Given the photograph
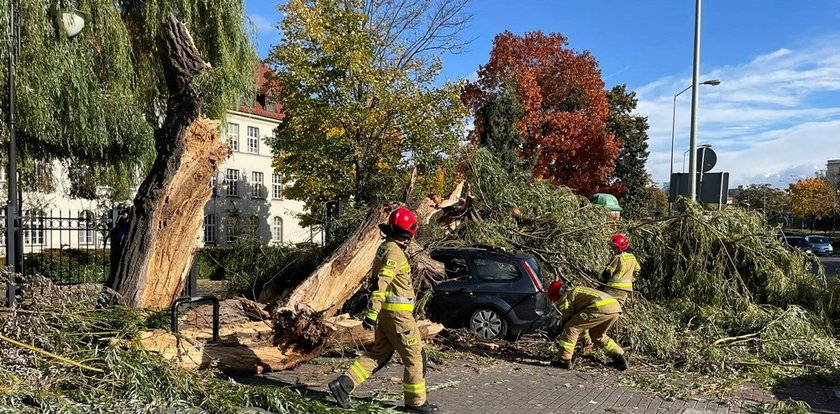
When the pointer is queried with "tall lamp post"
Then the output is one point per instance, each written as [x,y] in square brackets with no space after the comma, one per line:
[712,82]
[692,157]
[71,23]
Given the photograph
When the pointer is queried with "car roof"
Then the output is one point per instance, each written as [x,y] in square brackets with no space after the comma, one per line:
[794,237]
[477,251]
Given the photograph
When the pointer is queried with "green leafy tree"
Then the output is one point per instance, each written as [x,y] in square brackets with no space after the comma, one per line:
[763,197]
[92,101]
[630,180]
[359,91]
[498,131]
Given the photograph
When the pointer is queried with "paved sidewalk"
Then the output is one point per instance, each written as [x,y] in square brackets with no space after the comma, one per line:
[463,386]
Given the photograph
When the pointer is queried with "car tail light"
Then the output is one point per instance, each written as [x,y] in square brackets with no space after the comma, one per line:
[534,279]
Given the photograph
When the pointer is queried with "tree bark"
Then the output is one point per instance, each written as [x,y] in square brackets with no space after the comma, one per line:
[159,246]
[302,327]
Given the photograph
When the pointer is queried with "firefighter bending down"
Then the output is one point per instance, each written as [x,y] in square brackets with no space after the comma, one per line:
[582,309]
[390,314]
[618,276]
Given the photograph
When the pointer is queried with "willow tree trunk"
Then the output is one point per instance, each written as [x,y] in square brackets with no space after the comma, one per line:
[159,246]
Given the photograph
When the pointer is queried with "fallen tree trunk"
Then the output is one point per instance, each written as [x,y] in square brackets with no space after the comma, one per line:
[159,245]
[301,329]
[248,347]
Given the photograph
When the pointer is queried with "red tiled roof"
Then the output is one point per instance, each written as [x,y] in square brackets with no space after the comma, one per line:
[263,88]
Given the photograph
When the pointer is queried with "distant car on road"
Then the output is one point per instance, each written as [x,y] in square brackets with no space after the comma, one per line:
[820,244]
[491,292]
[796,242]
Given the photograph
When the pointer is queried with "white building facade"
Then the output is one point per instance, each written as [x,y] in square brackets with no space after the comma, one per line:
[247,192]
[247,196]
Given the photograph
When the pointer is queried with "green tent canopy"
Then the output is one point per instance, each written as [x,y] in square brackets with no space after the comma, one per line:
[607,200]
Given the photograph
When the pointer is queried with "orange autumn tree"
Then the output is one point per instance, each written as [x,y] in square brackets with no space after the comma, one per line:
[812,197]
[564,126]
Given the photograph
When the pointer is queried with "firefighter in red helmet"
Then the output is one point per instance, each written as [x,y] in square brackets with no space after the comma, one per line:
[390,315]
[583,309]
[622,271]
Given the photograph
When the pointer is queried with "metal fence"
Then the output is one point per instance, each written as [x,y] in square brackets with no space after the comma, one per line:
[66,246]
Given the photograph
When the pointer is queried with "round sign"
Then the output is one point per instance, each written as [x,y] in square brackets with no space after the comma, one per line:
[706,159]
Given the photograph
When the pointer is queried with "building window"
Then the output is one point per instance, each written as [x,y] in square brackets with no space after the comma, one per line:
[33,228]
[276,187]
[257,185]
[210,229]
[232,229]
[252,227]
[277,229]
[233,136]
[232,181]
[253,140]
[87,228]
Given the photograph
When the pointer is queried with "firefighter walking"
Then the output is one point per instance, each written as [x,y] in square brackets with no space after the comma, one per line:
[390,314]
[582,309]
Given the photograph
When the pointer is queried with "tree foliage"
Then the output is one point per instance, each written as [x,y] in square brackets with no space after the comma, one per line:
[765,197]
[566,108]
[92,101]
[358,80]
[630,180]
[813,197]
[497,130]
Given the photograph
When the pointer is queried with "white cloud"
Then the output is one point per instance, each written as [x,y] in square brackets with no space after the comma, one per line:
[772,119]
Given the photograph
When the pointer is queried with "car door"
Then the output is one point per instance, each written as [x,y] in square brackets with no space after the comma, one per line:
[496,281]
[455,296]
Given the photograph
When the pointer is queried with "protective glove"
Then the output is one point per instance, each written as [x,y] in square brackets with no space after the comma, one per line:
[368,323]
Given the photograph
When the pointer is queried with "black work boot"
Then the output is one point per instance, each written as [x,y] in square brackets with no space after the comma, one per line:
[425,408]
[341,388]
[562,363]
[620,362]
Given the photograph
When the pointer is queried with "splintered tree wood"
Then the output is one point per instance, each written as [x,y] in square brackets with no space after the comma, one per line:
[249,347]
[344,272]
[159,245]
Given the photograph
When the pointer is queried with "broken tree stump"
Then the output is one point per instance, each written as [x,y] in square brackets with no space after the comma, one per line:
[159,245]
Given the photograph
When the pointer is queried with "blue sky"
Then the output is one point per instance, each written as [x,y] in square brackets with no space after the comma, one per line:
[774,118]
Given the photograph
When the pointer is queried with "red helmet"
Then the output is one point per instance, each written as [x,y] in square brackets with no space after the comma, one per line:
[402,222]
[620,242]
[554,290]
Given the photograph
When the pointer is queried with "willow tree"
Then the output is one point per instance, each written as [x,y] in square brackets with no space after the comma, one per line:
[91,102]
[119,100]
[360,93]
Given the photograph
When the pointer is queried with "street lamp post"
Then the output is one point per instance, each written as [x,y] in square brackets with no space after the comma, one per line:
[12,201]
[71,22]
[692,157]
[712,82]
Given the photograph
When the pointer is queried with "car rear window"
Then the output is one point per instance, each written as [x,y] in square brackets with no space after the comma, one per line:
[495,270]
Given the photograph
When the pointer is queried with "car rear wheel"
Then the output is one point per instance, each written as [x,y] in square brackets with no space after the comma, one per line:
[488,324]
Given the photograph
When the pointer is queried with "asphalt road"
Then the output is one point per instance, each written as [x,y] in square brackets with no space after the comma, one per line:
[832,265]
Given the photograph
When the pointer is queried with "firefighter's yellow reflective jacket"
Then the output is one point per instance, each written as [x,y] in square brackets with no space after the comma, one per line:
[579,299]
[622,271]
[393,290]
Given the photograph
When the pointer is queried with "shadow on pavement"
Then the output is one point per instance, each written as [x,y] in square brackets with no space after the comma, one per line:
[822,398]
[303,389]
